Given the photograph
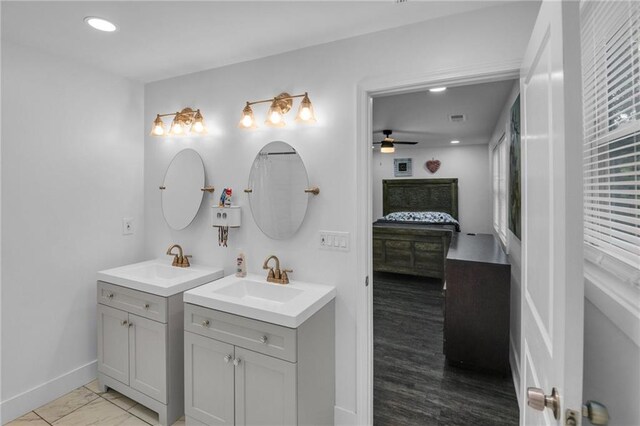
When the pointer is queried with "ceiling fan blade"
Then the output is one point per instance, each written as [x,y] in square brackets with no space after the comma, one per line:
[405,142]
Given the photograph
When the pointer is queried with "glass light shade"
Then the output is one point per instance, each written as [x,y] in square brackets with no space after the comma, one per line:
[158,127]
[198,126]
[177,127]
[275,117]
[247,121]
[305,112]
[387,148]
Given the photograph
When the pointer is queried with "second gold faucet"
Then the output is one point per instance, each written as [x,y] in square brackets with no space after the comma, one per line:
[180,260]
[275,275]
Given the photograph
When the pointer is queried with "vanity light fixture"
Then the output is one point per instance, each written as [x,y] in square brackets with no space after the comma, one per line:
[280,105]
[180,124]
[100,24]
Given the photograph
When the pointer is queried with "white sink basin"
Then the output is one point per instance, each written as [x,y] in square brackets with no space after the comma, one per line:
[288,305]
[159,277]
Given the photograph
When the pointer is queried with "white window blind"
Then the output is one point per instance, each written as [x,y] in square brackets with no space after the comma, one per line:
[610,33]
[499,166]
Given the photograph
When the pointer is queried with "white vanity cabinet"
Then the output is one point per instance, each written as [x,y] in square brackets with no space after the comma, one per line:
[241,371]
[140,343]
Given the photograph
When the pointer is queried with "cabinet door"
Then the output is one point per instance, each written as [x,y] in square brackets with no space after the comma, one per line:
[113,343]
[208,380]
[265,390]
[148,357]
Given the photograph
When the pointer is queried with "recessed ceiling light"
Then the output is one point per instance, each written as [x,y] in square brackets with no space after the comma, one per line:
[100,24]
[437,89]
[455,141]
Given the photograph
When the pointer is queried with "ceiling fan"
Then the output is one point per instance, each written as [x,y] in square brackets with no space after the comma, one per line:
[387,145]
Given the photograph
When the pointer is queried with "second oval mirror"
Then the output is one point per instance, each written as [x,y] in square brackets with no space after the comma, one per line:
[181,190]
[277,185]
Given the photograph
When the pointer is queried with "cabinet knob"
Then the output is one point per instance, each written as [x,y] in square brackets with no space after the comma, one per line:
[263,340]
[236,362]
[130,324]
[205,323]
[124,323]
[146,306]
[227,358]
[110,295]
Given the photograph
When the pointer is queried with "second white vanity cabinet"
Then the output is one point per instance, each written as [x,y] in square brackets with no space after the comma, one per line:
[241,371]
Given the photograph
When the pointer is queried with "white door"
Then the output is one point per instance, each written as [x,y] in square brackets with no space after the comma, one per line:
[553,284]
[113,343]
[208,380]
[148,357]
[265,390]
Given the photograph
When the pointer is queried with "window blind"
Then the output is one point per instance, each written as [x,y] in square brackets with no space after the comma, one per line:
[610,37]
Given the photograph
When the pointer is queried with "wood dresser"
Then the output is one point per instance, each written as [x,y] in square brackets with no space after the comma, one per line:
[477,299]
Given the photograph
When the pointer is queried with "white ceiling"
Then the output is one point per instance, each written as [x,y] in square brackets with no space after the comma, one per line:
[424,116]
[162,39]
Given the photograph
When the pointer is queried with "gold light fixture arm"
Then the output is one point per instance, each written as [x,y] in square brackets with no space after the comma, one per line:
[313,190]
[208,189]
[281,96]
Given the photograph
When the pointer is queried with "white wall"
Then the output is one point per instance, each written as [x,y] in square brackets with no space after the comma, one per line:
[72,159]
[513,247]
[469,164]
[330,73]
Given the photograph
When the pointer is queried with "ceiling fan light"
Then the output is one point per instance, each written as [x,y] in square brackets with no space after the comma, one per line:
[387,147]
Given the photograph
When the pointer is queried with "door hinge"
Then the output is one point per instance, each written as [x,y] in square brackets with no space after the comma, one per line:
[366,281]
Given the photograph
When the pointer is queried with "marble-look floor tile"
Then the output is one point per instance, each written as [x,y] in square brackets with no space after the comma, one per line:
[66,404]
[29,419]
[145,414]
[100,413]
[119,399]
[93,387]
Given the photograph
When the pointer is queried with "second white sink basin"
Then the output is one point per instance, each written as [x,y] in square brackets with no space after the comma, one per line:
[159,277]
[288,305]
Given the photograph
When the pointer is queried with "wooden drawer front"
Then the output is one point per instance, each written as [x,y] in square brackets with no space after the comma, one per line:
[137,302]
[399,253]
[240,331]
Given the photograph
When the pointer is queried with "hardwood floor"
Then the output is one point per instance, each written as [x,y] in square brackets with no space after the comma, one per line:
[412,383]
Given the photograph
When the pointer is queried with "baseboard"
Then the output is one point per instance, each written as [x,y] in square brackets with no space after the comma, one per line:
[343,417]
[515,370]
[33,398]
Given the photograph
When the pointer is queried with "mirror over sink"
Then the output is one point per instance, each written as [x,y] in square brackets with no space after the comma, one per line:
[181,190]
[279,190]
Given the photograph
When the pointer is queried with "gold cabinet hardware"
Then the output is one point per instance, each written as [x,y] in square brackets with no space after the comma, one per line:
[163,187]
[313,190]
[208,189]
[248,190]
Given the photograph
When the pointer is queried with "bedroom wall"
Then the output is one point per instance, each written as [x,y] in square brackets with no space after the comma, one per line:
[469,164]
[513,243]
[330,73]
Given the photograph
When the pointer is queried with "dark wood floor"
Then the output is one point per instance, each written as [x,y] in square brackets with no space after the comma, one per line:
[412,383]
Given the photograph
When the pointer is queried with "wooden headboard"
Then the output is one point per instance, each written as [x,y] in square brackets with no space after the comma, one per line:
[411,195]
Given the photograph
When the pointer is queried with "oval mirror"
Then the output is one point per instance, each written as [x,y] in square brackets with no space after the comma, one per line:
[277,182]
[182,189]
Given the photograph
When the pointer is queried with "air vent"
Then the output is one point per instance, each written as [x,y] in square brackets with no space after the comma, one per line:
[457,118]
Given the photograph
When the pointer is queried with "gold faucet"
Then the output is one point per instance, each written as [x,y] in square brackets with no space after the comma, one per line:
[276,275]
[180,260]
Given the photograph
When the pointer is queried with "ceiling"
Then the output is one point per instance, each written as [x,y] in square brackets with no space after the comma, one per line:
[424,116]
[161,39]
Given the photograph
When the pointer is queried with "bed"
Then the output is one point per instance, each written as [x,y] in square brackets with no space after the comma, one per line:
[415,248]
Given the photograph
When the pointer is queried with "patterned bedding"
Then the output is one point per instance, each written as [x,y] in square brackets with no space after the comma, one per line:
[417,218]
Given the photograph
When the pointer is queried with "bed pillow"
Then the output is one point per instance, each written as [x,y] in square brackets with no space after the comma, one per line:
[422,217]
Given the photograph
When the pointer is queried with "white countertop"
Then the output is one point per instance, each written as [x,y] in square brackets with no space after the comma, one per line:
[159,277]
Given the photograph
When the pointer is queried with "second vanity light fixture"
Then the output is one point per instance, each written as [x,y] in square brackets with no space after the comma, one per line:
[180,124]
[280,105]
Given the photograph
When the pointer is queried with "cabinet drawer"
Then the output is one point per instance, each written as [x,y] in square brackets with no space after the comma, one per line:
[137,302]
[259,336]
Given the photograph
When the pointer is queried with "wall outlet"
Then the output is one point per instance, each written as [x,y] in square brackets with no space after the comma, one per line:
[334,240]
[127,226]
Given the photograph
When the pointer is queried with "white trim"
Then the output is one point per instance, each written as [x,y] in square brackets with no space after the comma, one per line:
[366,90]
[343,417]
[619,301]
[514,358]
[37,396]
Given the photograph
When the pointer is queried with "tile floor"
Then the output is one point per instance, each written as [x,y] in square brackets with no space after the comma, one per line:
[88,406]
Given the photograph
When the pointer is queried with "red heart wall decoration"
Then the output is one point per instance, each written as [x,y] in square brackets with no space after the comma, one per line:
[433,165]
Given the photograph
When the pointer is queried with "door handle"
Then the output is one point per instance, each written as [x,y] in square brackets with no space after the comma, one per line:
[596,413]
[537,400]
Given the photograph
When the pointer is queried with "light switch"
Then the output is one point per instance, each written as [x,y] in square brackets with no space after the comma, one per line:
[334,240]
